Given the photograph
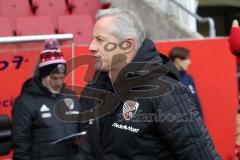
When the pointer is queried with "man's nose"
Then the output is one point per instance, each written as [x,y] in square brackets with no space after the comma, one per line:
[93,47]
[59,82]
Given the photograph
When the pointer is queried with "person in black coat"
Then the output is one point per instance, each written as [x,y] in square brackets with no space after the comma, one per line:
[35,126]
[180,56]
[137,108]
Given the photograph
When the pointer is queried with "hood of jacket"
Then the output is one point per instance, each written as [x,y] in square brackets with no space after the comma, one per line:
[34,86]
[148,53]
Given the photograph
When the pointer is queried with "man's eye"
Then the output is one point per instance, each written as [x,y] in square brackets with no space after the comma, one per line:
[100,40]
[53,78]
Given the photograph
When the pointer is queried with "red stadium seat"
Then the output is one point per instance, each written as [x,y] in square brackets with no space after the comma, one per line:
[79,25]
[52,8]
[13,8]
[6,29]
[34,26]
[84,7]
[106,5]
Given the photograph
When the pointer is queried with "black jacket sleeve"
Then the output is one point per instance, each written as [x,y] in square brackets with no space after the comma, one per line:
[182,129]
[21,131]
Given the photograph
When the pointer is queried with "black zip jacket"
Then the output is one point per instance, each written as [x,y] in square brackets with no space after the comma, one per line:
[35,125]
[165,125]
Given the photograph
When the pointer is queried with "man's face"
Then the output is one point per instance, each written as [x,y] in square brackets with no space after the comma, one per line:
[184,63]
[104,44]
[54,82]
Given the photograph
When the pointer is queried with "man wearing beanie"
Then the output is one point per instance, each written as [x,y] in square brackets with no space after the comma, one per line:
[35,126]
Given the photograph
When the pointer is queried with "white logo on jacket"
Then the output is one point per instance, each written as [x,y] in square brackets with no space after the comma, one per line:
[44,108]
[45,112]
[46,115]
[125,127]
[191,89]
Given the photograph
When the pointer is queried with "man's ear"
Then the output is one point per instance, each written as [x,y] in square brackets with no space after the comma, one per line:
[128,45]
[177,60]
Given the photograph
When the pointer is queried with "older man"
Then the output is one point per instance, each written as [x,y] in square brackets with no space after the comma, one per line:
[154,117]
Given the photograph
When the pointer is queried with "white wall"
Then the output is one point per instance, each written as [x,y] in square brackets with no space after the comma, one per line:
[159,25]
[184,18]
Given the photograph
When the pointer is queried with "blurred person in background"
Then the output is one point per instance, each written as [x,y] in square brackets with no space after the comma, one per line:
[180,56]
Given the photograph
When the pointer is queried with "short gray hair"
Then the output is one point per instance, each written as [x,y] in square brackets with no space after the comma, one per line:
[126,24]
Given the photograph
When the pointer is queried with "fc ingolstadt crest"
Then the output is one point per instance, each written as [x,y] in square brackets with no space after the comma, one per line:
[129,109]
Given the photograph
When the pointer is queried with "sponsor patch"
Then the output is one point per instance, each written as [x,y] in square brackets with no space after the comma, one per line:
[129,109]
[69,103]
